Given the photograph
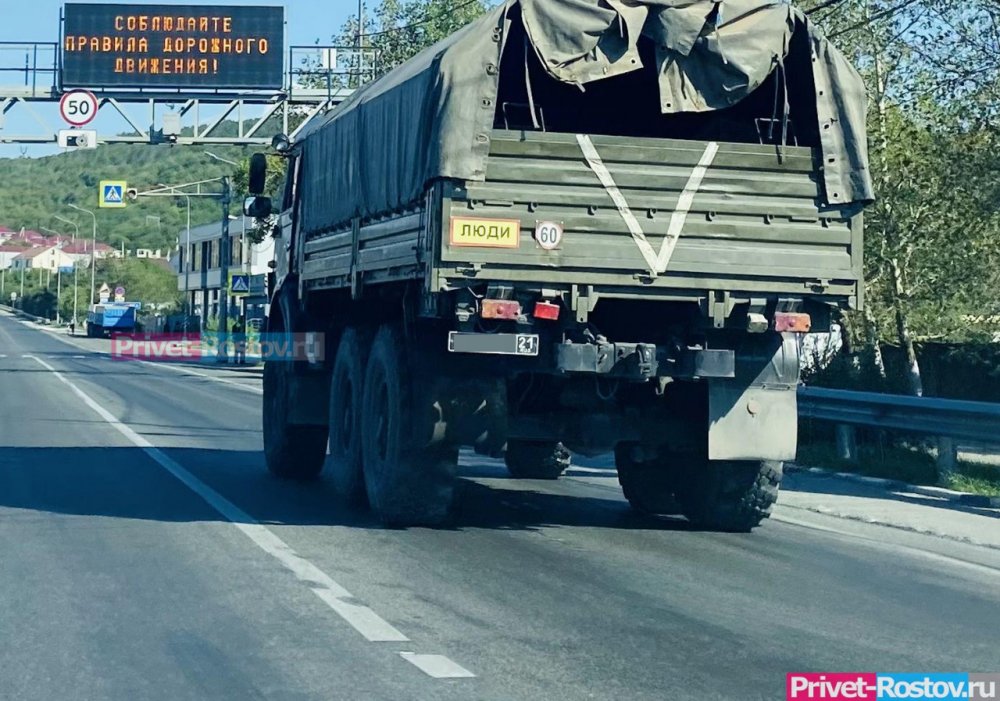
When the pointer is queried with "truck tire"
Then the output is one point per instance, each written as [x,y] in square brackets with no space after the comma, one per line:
[730,495]
[409,471]
[544,460]
[291,451]
[648,485]
[346,395]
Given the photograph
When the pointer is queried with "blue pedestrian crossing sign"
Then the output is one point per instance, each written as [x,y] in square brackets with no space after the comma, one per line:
[112,194]
[239,284]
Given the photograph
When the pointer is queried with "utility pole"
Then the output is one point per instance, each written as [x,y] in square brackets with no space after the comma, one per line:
[224,255]
[75,266]
[93,252]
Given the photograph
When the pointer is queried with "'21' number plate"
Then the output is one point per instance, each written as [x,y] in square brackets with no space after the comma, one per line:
[527,344]
[493,343]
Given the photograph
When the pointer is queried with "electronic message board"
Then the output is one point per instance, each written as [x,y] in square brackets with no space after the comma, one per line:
[172,46]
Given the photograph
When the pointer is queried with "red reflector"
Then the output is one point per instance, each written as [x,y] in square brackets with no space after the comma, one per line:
[546,310]
[501,309]
[791,321]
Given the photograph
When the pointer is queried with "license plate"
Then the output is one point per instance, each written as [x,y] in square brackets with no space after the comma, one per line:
[487,233]
[493,343]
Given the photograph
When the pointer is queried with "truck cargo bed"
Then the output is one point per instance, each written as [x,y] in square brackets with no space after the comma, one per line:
[755,223]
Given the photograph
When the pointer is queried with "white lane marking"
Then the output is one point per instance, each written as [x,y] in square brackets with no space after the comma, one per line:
[926,554]
[80,357]
[594,470]
[3,355]
[361,618]
[657,262]
[186,371]
[437,666]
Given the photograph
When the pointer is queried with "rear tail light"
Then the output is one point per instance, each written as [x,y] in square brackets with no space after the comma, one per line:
[795,322]
[501,309]
[546,310]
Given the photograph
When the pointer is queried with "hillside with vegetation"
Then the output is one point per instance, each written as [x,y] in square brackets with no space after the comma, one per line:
[34,190]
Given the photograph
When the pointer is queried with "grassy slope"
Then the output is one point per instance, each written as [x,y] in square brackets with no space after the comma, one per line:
[32,190]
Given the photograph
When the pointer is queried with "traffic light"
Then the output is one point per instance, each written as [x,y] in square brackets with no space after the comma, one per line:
[132,194]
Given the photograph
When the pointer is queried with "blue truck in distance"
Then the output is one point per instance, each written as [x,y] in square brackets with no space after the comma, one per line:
[109,317]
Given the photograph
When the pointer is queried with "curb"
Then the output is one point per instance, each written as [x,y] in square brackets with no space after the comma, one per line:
[964,498]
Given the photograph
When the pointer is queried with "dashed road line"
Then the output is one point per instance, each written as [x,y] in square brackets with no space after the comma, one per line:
[362,618]
[437,666]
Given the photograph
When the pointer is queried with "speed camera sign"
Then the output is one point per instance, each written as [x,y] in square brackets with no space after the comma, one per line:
[78,107]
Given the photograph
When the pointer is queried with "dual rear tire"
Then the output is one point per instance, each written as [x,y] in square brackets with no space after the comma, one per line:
[409,466]
[384,435]
[726,495]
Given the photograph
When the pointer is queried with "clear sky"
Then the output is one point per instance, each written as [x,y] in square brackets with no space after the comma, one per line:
[38,21]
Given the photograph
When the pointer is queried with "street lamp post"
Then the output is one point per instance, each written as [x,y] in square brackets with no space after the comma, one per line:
[185,257]
[93,252]
[75,266]
[58,277]
[224,256]
[224,259]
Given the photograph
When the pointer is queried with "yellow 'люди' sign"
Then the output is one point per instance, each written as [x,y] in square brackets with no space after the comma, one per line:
[490,233]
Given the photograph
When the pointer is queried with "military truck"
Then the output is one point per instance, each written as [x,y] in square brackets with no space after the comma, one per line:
[569,227]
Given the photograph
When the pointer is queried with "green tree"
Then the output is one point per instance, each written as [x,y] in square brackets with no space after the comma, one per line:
[273,187]
[930,252]
[394,32]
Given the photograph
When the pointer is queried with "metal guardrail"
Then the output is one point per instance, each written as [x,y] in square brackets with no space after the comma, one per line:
[953,418]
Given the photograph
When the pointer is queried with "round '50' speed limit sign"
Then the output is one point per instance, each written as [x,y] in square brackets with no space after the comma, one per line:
[78,107]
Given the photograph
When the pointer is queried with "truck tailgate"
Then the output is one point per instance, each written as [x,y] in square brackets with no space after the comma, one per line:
[755,221]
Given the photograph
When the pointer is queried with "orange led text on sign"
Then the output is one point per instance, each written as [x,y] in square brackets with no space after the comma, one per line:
[198,52]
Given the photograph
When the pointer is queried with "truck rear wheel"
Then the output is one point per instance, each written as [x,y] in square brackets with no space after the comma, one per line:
[730,495]
[409,470]
[291,451]
[545,460]
[648,485]
[346,395]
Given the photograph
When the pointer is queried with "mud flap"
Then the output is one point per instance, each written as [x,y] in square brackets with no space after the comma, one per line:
[754,416]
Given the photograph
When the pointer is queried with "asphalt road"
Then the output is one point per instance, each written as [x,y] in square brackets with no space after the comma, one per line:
[145,553]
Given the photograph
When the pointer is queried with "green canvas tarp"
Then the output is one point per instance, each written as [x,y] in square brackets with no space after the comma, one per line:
[431,117]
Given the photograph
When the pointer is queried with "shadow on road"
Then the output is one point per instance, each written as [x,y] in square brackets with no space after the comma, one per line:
[122,482]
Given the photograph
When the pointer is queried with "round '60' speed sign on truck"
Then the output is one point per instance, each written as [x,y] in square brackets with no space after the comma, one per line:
[78,107]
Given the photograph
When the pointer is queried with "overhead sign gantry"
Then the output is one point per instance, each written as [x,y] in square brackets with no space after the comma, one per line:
[171,61]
